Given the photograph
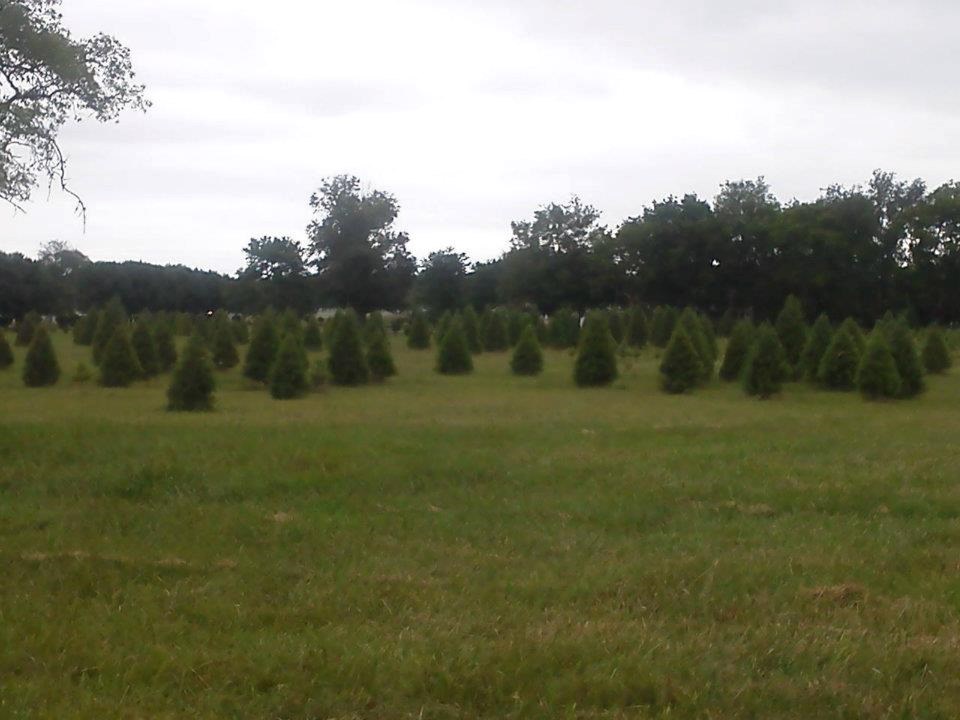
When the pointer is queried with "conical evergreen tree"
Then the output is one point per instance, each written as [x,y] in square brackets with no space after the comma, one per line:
[905,355]
[290,323]
[453,353]
[738,350]
[527,355]
[119,365]
[225,355]
[681,368]
[264,344]
[443,323]
[637,331]
[596,362]
[241,330]
[856,334]
[85,328]
[288,376]
[494,329]
[312,334]
[26,328]
[373,326]
[471,328]
[936,354]
[347,362]
[40,366]
[329,327]
[6,352]
[515,321]
[818,340]
[183,324]
[145,346]
[109,319]
[877,376]
[563,330]
[692,324]
[418,332]
[767,367]
[728,321]
[379,357]
[711,337]
[615,321]
[192,385]
[662,325]
[838,366]
[886,323]
[792,331]
[166,346]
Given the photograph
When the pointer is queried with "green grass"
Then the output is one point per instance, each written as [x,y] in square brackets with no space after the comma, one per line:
[482,546]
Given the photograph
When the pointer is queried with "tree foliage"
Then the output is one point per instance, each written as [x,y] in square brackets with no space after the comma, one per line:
[40,366]
[877,375]
[936,355]
[767,366]
[288,376]
[596,361]
[119,366]
[347,362]
[453,352]
[192,384]
[527,356]
[681,368]
[738,350]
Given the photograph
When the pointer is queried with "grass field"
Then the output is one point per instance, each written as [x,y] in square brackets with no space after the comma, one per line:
[478,547]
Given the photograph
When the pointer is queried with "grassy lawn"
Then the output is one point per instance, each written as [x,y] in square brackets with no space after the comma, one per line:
[482,546]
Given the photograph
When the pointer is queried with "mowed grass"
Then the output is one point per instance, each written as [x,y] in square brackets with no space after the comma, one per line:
[478,547]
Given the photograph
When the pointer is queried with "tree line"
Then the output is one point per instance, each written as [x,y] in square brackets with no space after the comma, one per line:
[857,251]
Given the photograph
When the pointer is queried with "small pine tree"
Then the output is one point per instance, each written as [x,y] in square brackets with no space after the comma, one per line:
[563,330]
[596,362]
[766,368]
[329,327]
[907,359]
[26,328]
[471,328]
[818,340]
[84,329]
[109,319]
[379,357]
[166,346]
[418,332]
[119,365]
[886,323]
[662,325]
[515,321]
[792,331]
[693,325]
[290,323]
[856,334]
[145,346]
[241,330]
[264,344]
[738,350]
[6,352]
[40,366]
[838,366]
[318,374]
[192,385]
[225,354]
[637,329]
[711,337]
[82,375]
[312,334]
[527,356]
[443,323]
[615,321]
[936,354]
[494,329]
[728,321]
[288,376]
[877,376]
[373,326]
[347,362]
[681,368]
[453,353]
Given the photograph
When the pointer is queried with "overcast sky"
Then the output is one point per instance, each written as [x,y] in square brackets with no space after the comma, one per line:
[475,113]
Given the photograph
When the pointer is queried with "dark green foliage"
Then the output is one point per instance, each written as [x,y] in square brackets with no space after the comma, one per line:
[856,334]
[936,354]
[183,325]
[418,332]
[40,367]
[313,334]
[453,353]
[818,340]
[443,322]
[886,323]
[329,327]
[681,368]
[264,344]
[662,324]
[727,323]
[288,376]
[373,326]
[693,324]
[224,349]
[596,362]
[166,347]
[471,328]
[82,375]
[84,329]
[290,324]
[738,350]
[877,376]
[145,346]
[711,337]
[26,328]
[119,365]
[318,374]
[241,330]
[792,331]
[192,385]
[838,366]
[563,330]
[109,319]
[615,321]
[6,352]
[516,321]
[638,331]
[347,362]
[527,356]
[379,357]
[907,359]
[766,368]
[494,331]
